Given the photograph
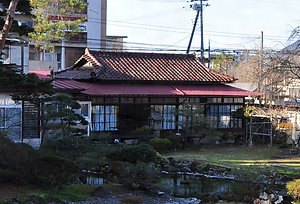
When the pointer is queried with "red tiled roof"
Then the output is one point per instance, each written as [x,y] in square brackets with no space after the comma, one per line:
[41,74]
[67,84]
[130,66]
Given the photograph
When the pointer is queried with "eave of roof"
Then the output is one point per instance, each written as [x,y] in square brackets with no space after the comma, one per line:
[94,89]
[140,90]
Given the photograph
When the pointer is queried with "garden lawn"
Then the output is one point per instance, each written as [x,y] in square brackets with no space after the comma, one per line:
[244,161]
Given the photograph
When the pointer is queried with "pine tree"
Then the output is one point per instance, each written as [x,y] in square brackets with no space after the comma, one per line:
[55,19]
[8,22]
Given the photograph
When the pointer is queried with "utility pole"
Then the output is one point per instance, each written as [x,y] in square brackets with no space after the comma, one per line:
[201,28]
[199,8]
[261,54]
[208,64]
[192,35]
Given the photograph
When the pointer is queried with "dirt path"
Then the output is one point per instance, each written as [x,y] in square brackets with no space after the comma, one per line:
[14,191]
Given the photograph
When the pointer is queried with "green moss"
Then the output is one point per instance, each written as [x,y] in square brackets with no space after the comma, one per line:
[219,165]
[74,192]
[169,168]
[160,158]
[65,193]
[288,173]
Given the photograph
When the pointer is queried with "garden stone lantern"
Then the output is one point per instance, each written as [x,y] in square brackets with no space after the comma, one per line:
[156,123]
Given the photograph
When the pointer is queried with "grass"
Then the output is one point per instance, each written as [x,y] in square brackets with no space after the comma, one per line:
[243,161]
[74,192]
[68,192]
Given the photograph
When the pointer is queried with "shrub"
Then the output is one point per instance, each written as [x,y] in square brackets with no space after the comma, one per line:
[68,147]
[133,175]
[284,146]
[55,171]
[294,189]
[133,153]
[23,165]
[160,144]
[18,162]
[143,133]
[105,138]
[141,172]
[118,167]
[176,141]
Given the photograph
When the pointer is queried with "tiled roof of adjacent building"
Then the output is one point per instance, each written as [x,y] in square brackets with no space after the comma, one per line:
[147,67]
[42,74]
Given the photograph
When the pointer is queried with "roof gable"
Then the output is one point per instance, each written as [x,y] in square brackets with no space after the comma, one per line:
[131,66]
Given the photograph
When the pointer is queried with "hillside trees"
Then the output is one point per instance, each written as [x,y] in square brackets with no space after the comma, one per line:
[263,73]
[283,68]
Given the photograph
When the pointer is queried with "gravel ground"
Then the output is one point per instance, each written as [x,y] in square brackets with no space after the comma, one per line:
[164,199]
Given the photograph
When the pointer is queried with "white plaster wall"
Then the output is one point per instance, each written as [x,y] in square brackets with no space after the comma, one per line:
[96,25]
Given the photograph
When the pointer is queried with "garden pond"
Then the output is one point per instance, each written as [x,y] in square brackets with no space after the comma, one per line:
[203,188]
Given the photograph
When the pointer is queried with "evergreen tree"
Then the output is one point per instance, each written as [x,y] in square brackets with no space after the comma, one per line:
[27,87]
[224,62]
[59,115]
[8,22]
[55,19]
[193,122]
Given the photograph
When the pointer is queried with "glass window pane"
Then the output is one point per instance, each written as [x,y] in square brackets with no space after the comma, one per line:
[141,100]
[127,100]
[105,118]
[228,100]
[169,117]
[13,122]
[2,117]
[170,100]
[194,100]
[238,100]
[112,100]
[85,110]
[157,100]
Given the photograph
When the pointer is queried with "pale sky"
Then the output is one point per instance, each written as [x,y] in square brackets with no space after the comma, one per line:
[228,24]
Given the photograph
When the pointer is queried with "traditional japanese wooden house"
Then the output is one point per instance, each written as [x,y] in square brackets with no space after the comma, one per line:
[122,91]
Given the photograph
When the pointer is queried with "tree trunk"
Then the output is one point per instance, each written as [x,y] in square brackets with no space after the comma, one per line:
[8,22]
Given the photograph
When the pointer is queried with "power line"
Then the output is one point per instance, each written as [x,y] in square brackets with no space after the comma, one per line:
[185,30]
[277,2]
